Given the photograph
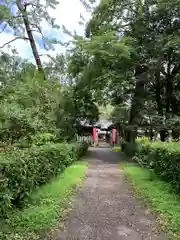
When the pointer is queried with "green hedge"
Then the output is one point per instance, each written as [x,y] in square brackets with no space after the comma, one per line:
[129,148]
[163,158]
[23,170]
[43,138]
[35,140]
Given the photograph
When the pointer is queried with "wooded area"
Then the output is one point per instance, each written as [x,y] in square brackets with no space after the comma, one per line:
[129,57]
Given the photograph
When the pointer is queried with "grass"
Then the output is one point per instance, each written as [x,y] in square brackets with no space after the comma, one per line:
[47,205]
[159,195]
[116,149]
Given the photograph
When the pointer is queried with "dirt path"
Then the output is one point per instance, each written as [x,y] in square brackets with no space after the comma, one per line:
[106,208]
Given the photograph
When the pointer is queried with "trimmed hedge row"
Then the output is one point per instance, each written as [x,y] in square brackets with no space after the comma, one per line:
[23,170]
[163,158]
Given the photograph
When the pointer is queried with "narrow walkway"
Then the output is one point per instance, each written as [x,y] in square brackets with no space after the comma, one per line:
[106,208]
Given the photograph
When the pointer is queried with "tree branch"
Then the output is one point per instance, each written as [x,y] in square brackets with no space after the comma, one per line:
[46,54]
[38,28]
[17,16]
[16,38]
[39,31]
[5,26]
[162,70]
[175,70]
[31,4]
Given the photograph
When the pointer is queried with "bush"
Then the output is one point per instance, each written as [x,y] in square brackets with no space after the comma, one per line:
[81,149]
[43,138]
[23,170]
[163,158]
[129,148]
[35,140]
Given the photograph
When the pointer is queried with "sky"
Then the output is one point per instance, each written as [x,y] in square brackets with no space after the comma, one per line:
[66,13]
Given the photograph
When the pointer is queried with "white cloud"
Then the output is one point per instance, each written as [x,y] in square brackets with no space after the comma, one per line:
[66,13]
[22,46]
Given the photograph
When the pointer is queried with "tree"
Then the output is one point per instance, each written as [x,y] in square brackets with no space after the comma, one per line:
[130,54]
[28,17]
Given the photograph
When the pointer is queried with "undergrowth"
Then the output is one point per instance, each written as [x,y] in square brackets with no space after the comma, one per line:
[116,149]
[47,205]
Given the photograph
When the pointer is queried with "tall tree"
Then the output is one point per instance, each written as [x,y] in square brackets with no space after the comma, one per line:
[25,18]
[130,56]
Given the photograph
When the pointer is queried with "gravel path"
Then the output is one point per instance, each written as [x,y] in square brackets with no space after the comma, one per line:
[106,208]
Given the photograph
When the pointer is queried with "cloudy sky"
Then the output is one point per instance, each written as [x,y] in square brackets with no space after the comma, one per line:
[66,13]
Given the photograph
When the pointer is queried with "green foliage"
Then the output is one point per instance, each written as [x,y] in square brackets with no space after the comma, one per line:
[105,111]
[27,107]
[163,158]
[35,140]
[43,138]
[129,58]
[116,149]
[129,148]
[31,105]
[47,204]
[23,170]
[84,104]
[22,143]
[81,149]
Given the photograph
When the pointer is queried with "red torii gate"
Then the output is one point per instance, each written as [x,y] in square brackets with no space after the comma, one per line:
[113,136]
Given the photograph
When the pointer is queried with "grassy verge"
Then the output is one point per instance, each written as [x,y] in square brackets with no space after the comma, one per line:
[159,195]
[116,149]
[47,205]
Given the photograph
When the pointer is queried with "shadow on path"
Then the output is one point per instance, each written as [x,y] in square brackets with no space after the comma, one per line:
[103,155]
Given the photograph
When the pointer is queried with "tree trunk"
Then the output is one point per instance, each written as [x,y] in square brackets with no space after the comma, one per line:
[169,92]
[163,135]
[162,132]
[30,36]
[146,133]
[172,104]
[137,104]
[175,111]
[151,134]
[175,134]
